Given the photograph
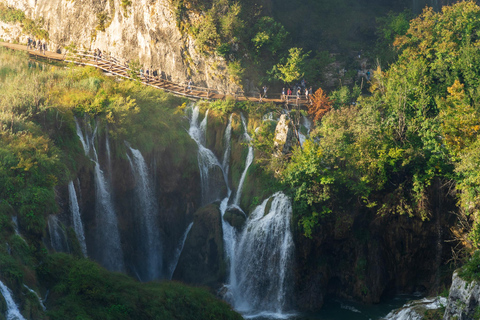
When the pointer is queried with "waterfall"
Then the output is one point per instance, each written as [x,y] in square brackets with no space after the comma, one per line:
[58,237]
[110,253]
[247,163]
[15,227]
[259,257]
[151,246]
[212,176]
[178,251]
[12,309]
[76,218]
[264,254]
[108,237]
[227,146]
[38,297]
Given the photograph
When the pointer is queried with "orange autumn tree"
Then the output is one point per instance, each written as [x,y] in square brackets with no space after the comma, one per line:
[320,104]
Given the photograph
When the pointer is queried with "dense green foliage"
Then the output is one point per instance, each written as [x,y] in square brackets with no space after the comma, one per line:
[419,124]
[81,289]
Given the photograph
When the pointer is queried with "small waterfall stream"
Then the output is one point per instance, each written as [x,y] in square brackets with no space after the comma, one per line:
[76,218]
[12,309]
[259,256]
[58,236]
[227,146]
[40,301]
[147,208]
[178,251]
[248,162]
[110,253]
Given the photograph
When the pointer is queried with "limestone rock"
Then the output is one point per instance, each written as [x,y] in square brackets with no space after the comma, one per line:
[202,261]
[235,217]
[463,300]
[284,136]
[145,31]
[415,310]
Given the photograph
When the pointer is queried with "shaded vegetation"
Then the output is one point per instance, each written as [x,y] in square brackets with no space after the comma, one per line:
[40,151]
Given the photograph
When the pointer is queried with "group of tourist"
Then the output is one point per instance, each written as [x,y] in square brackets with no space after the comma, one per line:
[33,44]
[297,90]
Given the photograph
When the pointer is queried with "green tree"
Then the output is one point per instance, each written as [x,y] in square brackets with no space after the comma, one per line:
[291,68]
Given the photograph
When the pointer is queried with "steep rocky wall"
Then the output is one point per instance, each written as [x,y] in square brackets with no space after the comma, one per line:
[463,300]
[358,255]
[145,31]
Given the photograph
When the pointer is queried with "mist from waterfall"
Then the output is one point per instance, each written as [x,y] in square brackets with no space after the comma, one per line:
[76,218]
[12,309]
[147,208]
[264,254]
[109,253]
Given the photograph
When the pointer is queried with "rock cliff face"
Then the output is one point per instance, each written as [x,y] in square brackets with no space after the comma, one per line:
[145,31]
[463,300]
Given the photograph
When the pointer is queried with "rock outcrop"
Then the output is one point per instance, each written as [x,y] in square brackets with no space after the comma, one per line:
[145,31]
[463,300]
[201,261]
[284,136]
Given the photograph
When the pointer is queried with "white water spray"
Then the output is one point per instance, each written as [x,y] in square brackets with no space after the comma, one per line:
[259,257]
[264,253]
[178,251]
[76,218]
[12,309]
[148,213]
[110,253]
[40,301]
[248,162]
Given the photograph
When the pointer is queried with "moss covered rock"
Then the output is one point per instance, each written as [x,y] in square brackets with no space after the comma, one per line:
[202,258]
[235,217]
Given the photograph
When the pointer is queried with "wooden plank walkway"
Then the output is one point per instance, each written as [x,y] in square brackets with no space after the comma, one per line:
[112,66]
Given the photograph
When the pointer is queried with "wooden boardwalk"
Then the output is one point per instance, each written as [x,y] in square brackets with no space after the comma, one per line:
[112,66]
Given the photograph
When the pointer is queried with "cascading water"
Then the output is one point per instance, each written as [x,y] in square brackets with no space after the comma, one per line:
[109,253]
[227,146]
[264,253]
[212,176]
[38,297]
[15,227]
[178,251]
[76,218]
[12,309]
[248,162]
[58,237]
[259,257]
[151,245]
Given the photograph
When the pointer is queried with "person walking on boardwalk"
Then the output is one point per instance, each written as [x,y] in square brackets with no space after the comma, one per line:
[44,48]
[306,94]
[29,42]
[141,73]
[283,93]
[190,85]
[148,74]
[265,88]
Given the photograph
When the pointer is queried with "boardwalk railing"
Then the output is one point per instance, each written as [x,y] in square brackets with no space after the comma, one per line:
[115,67]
